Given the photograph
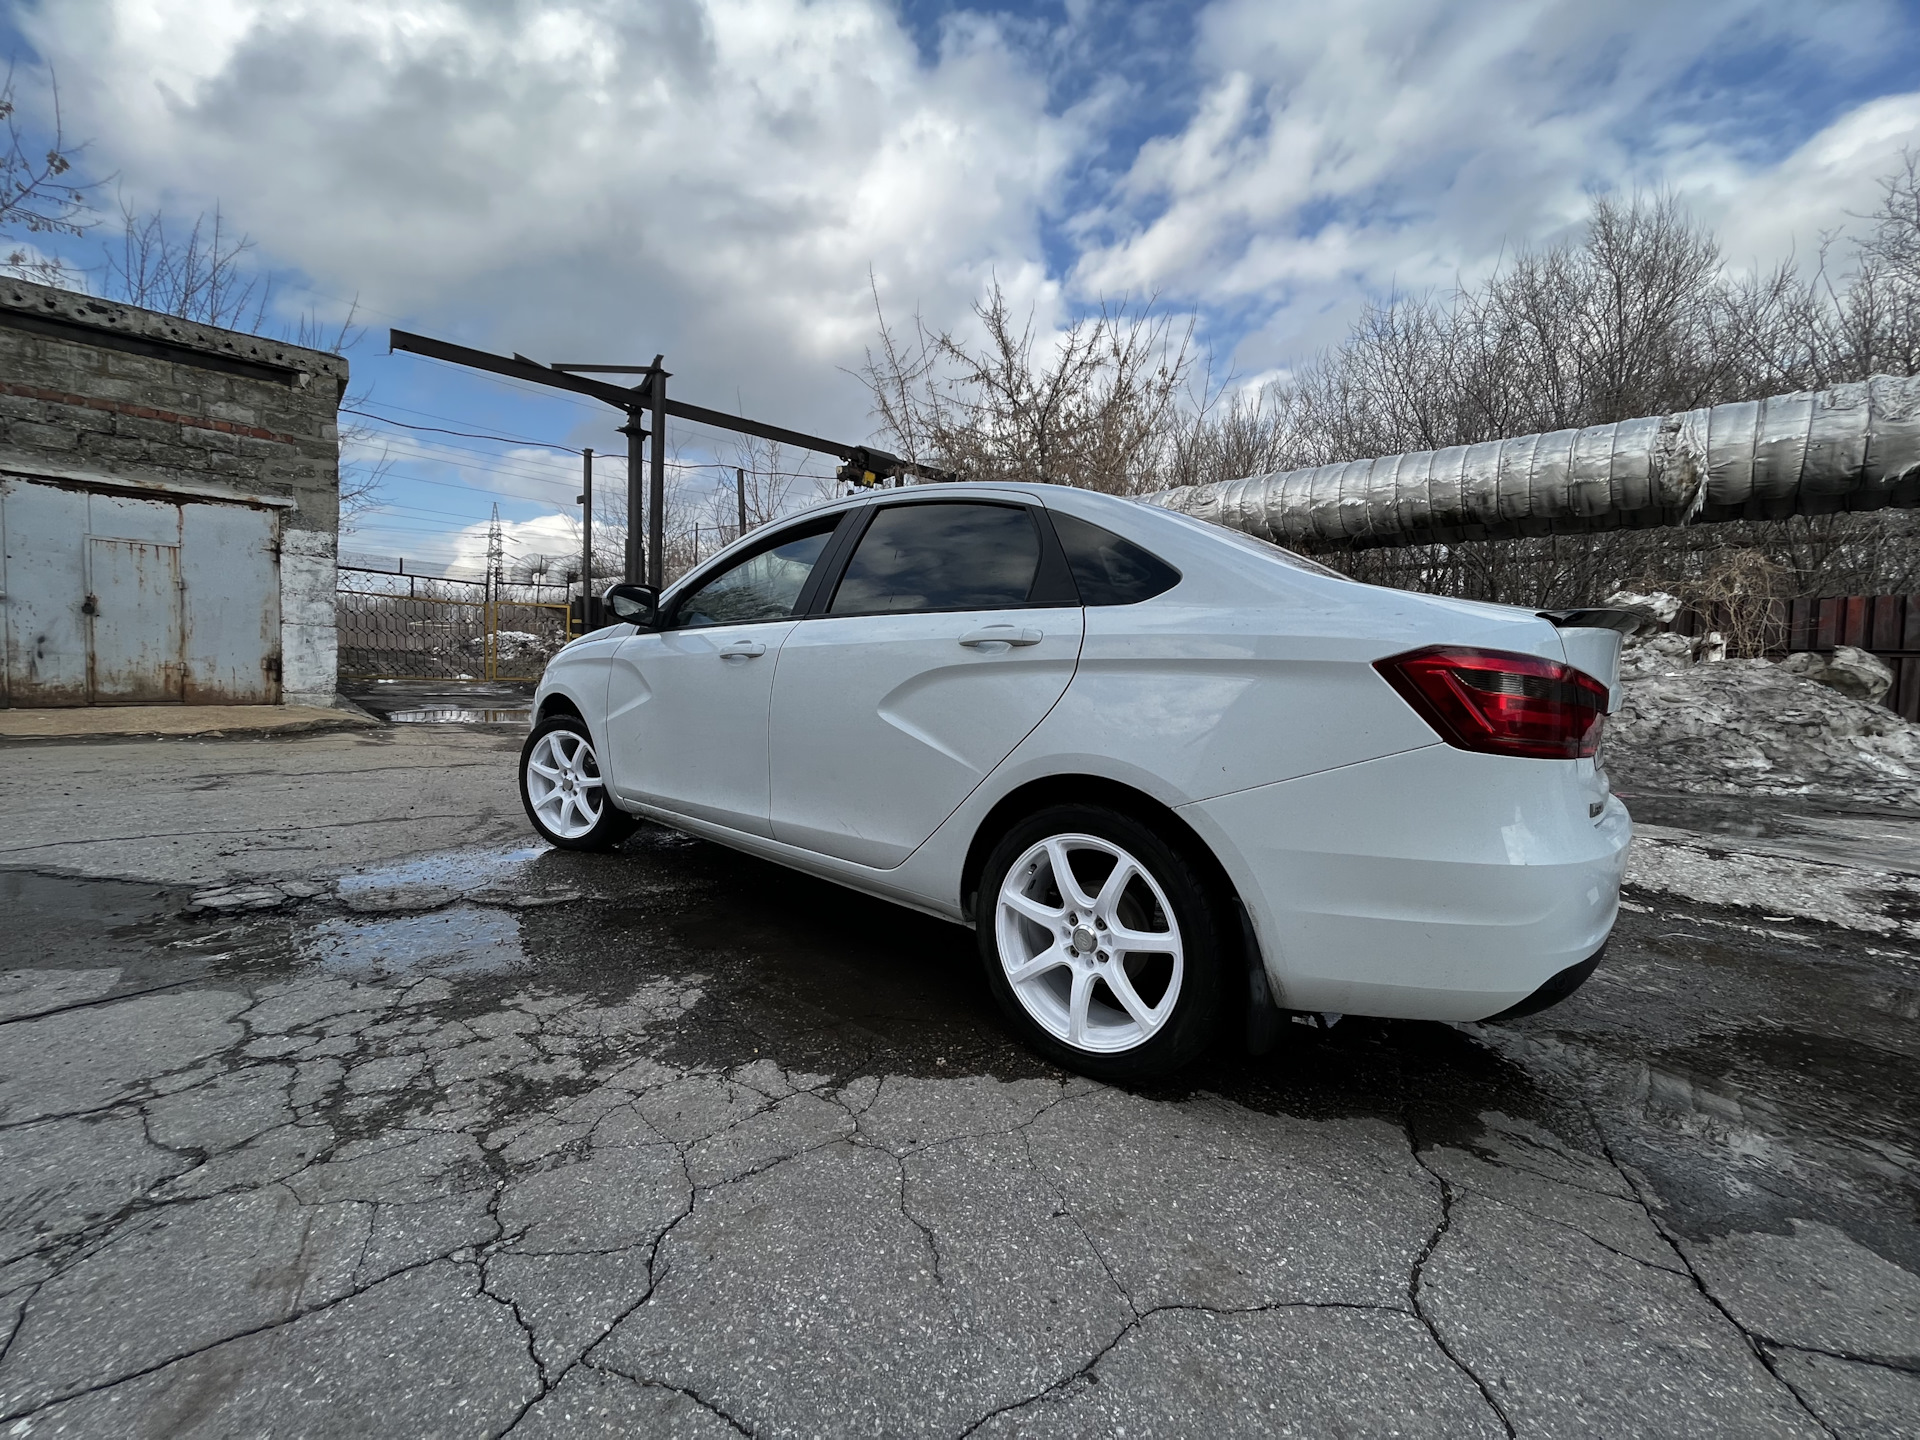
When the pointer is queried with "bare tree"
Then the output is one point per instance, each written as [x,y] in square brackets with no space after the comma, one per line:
[199,275]
[1872,315]
[40,193]
[1638,315]
[1098,405]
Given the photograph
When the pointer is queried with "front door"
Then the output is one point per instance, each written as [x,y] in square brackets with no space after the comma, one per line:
[930,663]
[687,703]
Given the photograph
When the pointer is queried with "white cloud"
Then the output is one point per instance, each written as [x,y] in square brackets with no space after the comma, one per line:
[582,179]
[1766,215]
[709,179]
[1337,151]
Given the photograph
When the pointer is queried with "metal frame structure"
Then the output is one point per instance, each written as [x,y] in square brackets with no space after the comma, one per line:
[646,403]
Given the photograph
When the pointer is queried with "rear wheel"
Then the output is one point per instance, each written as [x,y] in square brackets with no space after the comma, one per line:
[563,790]
[1101,942]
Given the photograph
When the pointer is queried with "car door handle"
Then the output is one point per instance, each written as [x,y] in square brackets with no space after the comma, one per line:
[744,649]
[1001,634]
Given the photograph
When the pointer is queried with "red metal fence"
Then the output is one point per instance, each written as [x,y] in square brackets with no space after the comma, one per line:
[1886,625]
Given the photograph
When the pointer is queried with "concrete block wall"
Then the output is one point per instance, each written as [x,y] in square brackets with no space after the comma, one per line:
[90,385]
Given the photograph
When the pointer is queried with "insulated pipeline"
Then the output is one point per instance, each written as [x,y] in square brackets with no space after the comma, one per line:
[1854,447]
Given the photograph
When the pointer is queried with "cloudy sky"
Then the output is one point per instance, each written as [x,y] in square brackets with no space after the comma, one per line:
[717,179]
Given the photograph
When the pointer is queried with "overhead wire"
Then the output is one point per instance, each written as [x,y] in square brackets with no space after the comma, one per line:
[430,452]
[570,450]
[467,434]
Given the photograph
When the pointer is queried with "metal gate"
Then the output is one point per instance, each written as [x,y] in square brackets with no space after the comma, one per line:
[426,627]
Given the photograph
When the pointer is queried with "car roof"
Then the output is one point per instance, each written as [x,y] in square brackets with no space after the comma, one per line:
[1029,490]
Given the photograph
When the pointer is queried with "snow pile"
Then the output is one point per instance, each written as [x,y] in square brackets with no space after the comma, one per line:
[518,652]
[1809,726]
[1852,672]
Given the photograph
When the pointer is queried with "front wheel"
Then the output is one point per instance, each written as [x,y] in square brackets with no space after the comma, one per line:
[563,790]
[1101,942]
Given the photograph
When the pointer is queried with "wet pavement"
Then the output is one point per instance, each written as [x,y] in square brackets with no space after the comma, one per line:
[459,1139]
[446,702]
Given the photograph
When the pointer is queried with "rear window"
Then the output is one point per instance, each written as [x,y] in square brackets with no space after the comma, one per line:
[941,557]
[1109,569]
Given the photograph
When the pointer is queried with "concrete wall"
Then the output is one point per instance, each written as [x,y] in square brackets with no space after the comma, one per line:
[88,386]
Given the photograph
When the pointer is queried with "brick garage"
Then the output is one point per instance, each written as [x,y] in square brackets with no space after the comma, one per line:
[169,508]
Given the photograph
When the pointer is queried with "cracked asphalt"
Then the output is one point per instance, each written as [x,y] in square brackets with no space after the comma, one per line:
[426,1131]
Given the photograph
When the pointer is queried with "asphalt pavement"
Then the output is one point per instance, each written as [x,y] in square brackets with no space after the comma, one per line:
[332,1104]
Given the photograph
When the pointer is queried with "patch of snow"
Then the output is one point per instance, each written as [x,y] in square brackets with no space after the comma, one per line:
[1754,727]
[1712,871]
[1858,673]
[1658,605]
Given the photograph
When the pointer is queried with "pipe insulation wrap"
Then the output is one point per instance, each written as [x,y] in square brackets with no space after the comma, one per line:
[1854,447]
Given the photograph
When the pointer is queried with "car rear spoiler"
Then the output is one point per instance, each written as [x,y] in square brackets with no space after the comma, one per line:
[1625,621]
[1586,644]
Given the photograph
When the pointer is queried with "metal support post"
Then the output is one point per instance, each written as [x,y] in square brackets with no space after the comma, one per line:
[636,558]
[586,540]
[657,454]
[740,485]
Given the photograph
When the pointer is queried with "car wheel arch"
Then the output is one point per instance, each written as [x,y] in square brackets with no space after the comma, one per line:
[1047,790]
[558,705]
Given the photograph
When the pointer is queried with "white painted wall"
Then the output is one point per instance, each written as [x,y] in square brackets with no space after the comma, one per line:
[309,637]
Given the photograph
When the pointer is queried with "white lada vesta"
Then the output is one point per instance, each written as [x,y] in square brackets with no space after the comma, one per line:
[1175,777]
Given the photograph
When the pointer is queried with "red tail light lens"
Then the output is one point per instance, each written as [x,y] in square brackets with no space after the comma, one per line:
[1499,703]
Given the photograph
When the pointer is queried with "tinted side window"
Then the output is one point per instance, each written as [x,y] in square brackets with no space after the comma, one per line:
[941,557]
[1108,569]
[761,587]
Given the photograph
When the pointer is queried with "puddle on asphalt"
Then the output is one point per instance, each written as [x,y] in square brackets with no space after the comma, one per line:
[451,716]
[461,941]
[432,880]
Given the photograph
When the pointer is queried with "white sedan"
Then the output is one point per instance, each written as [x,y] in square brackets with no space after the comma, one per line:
[1179,780]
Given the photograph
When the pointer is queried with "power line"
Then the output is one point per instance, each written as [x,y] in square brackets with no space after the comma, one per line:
[468,434]
[570,450]
[527,387]
[429,455]
[429,414]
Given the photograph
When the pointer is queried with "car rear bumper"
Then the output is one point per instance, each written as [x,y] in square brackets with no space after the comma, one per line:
[1434,884]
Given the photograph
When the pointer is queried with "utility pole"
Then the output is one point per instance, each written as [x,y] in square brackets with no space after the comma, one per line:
[586,540]
[740,486]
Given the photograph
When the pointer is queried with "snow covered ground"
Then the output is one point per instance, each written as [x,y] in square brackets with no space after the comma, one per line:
[1785,789]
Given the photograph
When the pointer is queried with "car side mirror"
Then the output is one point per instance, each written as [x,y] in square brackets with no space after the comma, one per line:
[633,604]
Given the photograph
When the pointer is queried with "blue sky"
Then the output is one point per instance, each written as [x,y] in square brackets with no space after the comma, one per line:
[716,179]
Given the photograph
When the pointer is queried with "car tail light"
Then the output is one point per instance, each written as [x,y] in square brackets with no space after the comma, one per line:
[1500,703]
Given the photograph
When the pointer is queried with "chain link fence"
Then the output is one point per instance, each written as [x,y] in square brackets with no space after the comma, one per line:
[422,627]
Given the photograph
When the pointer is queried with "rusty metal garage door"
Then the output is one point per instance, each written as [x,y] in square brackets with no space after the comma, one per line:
[118,599]
[133,622]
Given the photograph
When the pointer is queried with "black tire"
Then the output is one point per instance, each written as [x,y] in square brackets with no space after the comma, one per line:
[610,824]
[1191,1020]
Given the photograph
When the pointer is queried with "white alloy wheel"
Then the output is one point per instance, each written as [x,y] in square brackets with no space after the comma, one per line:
[564,789]
[1097,963]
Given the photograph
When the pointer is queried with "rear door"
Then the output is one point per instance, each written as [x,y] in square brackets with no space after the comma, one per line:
[952,631]
[687,703]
